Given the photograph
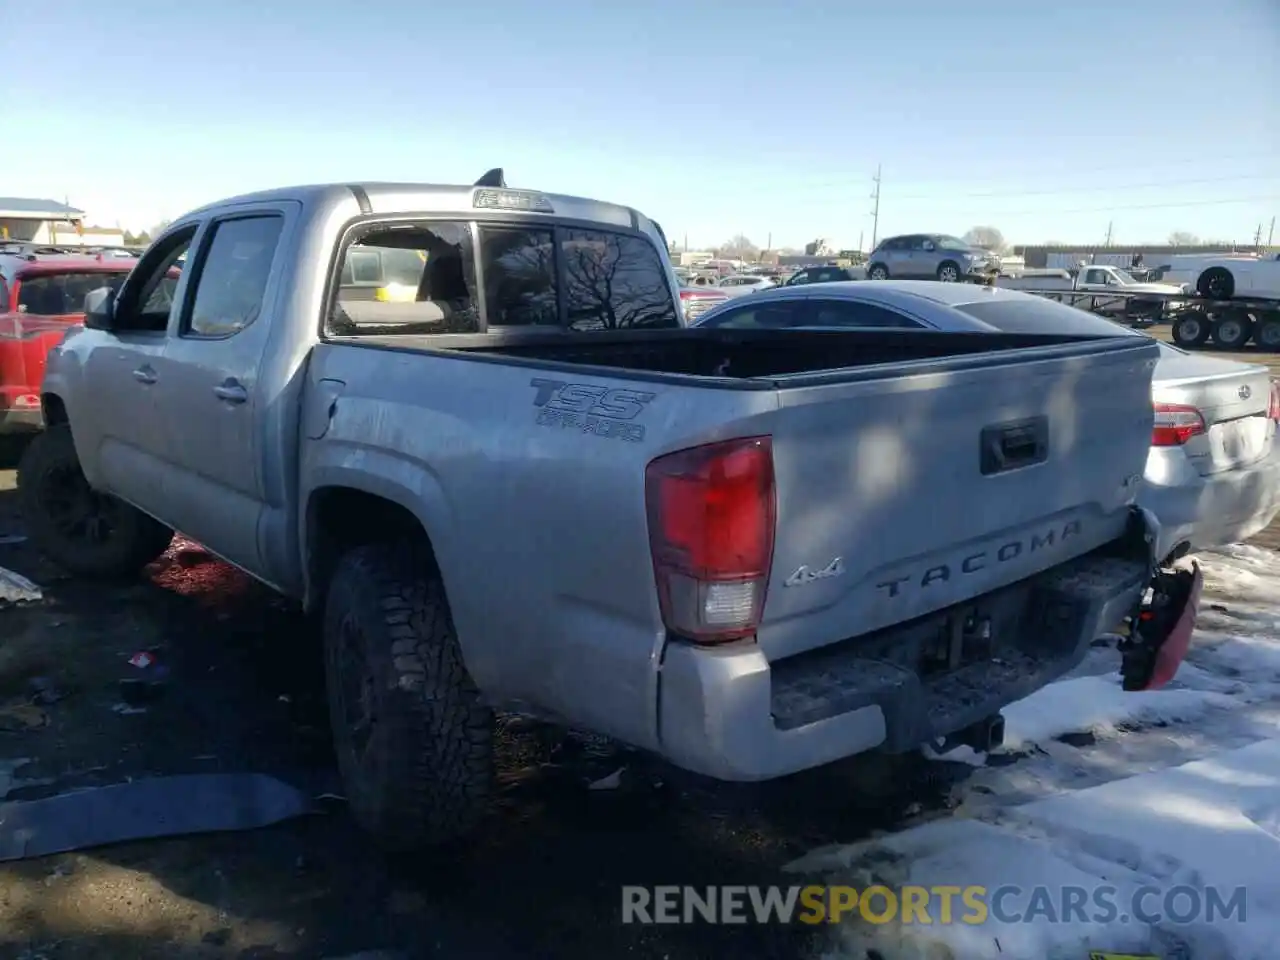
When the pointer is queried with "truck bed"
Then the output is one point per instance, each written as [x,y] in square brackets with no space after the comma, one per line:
[761,356]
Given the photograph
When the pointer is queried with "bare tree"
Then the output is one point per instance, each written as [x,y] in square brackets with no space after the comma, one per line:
[1181,238]
[988,238]
[739,247]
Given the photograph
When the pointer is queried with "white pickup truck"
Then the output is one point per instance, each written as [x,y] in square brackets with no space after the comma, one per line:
[1111,290]
[1226,276]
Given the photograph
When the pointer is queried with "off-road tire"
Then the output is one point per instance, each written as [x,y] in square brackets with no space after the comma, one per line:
[134,539]
[427,774]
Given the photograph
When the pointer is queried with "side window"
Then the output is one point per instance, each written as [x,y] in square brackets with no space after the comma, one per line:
[915,243]
[615,281]
[4,296]
[1095,276]
[520,288]
[848,313]
[770,316]
[407,278]
[802,277]
[232,276]
[147,297]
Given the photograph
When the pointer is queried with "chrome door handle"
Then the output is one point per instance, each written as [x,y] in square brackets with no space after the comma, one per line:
[231,392]
[144,375]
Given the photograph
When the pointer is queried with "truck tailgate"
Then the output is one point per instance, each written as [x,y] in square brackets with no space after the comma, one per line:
[900,496]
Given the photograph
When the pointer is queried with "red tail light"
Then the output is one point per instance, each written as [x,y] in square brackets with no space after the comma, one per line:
[1175,425]
[711,525]
[686,294]
[1273,408]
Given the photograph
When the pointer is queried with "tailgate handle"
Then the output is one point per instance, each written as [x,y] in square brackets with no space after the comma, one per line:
[1009,446]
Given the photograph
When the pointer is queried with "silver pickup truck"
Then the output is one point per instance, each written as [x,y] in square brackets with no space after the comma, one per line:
[512,479]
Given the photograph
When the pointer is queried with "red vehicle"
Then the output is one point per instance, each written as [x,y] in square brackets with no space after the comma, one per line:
[41,296]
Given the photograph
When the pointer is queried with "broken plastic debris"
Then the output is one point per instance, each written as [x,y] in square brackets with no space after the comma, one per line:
[142,660]
[15,588]
[11,539]
[125,710]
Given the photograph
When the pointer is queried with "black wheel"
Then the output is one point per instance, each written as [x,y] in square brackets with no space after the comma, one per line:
[878,271]
[1233,331]
[1216,283]
[414,742]
[949,272]
[1267,334]
[89,533]
[1190,331]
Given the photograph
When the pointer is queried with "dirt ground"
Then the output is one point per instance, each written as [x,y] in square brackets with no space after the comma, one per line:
[542,880]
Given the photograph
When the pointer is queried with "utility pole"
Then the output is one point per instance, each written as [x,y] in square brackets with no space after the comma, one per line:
[768,243]
[1257,237]
[875,211]
[1271,234]
[1107,242]
[861,234]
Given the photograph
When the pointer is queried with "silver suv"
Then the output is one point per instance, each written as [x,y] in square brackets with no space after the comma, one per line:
[930,256]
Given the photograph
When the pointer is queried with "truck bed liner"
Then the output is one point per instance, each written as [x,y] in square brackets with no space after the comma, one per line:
[747,354]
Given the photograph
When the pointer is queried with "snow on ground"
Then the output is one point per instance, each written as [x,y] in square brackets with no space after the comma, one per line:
[1098,789]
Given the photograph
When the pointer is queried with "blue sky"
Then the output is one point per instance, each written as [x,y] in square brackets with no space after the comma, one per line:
[1047,121]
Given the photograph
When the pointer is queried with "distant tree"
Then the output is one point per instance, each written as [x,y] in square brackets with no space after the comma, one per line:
[1180,238]
[159,228]
[739,248]
[988,238]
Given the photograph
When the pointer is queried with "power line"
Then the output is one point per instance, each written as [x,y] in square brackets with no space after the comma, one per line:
[1098,189]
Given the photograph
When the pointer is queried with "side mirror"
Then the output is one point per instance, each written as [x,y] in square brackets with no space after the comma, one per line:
[100,309]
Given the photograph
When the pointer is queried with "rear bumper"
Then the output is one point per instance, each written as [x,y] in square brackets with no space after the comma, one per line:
[731,714]
[1209,511]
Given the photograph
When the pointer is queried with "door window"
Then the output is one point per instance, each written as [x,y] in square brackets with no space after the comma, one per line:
[804,276]
[231,280]
[1096,276]
[768,316]
[849,313]
[148,295]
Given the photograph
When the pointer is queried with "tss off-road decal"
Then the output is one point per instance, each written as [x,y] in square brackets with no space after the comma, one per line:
[590,408]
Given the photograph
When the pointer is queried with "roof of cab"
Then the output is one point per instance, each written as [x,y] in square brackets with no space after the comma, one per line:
[427,198]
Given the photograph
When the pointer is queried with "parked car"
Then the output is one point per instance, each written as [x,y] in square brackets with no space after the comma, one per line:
[827,274]
[41,295]
[736,286]
[697,300]
[532,489]
[1138,299]
[1213,471]
[931,256]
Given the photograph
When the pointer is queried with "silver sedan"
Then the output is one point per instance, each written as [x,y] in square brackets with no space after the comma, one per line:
[1213,471]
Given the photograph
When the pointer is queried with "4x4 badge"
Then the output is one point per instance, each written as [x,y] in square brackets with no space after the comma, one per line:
[806,575]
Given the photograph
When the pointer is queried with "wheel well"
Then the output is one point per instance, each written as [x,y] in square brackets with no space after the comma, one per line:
[340,519]
[55,411]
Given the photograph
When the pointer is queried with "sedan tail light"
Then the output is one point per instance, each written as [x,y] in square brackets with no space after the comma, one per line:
[1273,408]
[1175,424]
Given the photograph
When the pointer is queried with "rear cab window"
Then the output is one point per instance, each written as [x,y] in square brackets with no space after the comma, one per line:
[462,277]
